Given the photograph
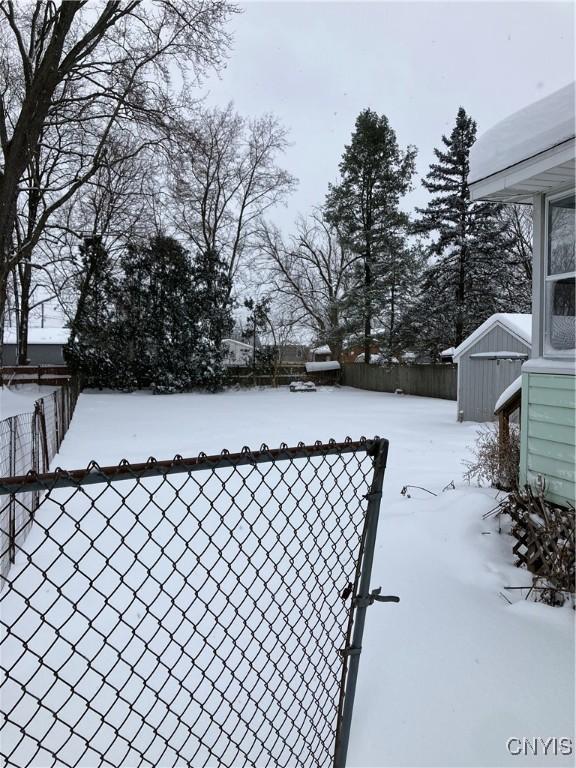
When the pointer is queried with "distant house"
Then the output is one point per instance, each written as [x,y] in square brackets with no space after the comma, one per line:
[321,354]
[293,353]
[488,361]
[530,157]
[236,352]
[45,346]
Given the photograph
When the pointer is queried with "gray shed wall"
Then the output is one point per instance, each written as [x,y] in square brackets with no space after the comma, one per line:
[480,381]
[38,354]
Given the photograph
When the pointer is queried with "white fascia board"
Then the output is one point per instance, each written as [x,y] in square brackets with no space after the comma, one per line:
[523,172]
[475,336]
[558,366]
[499,355]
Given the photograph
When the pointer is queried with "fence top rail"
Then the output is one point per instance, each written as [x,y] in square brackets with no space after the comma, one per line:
[94,473]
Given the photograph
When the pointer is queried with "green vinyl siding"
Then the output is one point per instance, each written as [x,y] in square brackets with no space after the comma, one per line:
[551,449]
[554,432]
[552,415]
[558,398]
[548,381]
[548,434]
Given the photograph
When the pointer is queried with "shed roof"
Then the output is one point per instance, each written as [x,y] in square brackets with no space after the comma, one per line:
[39,335]
[328,365]
[517,324]
[530,151]
[241,344]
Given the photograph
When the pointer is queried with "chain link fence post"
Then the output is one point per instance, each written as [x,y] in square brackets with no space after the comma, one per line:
[363,599]
[12,504]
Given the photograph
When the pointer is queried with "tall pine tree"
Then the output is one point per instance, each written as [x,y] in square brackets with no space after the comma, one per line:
[364,208]
[466,274]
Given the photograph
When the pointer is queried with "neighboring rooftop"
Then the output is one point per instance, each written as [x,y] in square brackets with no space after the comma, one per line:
[532,150]
[323,350]
[39,335]
[518,324]
[237,342]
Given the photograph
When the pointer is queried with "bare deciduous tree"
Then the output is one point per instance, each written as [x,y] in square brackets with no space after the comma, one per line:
[93,69]
[115,207]
[518,219]
[225,177]
[313,272]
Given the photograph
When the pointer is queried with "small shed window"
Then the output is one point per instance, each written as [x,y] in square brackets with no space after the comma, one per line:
[560,312]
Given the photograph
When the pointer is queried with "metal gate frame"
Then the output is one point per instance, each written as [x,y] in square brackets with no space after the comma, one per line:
[358,593]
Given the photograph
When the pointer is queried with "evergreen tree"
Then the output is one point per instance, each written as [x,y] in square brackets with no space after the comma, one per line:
[399,284]
[213,307]
[466,274]
[158,322]
[258,321]
[158,316]
[364,208]
[91,349]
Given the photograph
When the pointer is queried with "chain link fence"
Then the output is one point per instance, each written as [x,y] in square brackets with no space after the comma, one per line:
[198,612]
[28,443]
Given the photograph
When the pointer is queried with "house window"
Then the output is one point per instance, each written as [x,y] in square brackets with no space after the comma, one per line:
[560,293]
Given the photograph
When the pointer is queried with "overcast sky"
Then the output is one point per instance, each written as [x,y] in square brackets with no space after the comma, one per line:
[316,65]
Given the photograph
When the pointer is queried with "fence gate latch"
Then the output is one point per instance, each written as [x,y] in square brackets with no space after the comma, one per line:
[375,596]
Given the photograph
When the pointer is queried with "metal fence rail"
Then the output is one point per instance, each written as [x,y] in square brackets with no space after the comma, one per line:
[29,442]
[196,612]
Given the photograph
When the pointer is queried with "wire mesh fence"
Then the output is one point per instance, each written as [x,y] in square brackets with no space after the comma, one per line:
[28,443]
[193,612]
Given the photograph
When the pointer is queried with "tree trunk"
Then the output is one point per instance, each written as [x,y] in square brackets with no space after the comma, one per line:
[367,309]
[391,341]
[4,276]
[25,274]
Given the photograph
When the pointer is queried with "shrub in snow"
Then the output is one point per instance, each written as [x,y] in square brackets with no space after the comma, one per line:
[494,463]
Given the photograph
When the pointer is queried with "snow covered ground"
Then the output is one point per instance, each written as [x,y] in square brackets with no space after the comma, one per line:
[16,400]
[453,671]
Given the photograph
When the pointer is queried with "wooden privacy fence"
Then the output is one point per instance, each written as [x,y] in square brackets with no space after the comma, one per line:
[245,377]
[284,375]
[49,375]
[425,380]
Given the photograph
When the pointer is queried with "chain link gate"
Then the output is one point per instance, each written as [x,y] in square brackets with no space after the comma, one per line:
[198,612]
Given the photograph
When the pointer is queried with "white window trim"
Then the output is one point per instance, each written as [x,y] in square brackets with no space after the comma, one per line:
[547,351]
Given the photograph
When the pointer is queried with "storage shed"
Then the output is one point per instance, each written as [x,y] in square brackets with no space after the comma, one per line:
[489,360]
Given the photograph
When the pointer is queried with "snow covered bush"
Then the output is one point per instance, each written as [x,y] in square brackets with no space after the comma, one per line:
[493,462]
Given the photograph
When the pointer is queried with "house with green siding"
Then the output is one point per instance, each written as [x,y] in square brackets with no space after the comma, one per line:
[529,158]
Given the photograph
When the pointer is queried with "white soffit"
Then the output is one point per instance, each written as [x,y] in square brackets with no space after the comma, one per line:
[531,151]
